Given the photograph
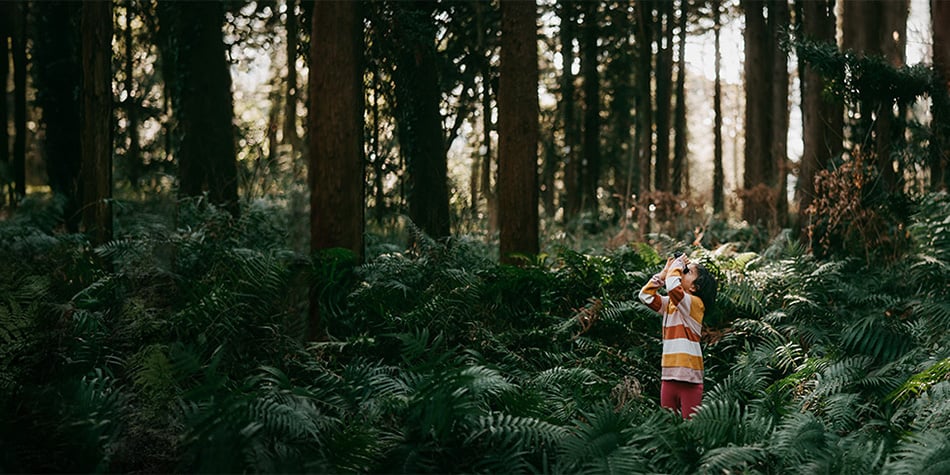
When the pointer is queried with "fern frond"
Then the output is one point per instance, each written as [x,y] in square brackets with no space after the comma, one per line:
[802,439]
[877,338]
[924,453]
[599,435]
[522,432]
[920,382]
[735,459]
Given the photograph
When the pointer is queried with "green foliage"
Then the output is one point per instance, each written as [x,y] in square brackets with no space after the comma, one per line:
[183,349]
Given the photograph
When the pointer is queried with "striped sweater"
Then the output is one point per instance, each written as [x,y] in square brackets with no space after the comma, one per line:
[682,325]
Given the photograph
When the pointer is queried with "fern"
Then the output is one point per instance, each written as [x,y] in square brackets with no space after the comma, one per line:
[920,382]
[801,443]
[735,459]
[596,439]
[925,453]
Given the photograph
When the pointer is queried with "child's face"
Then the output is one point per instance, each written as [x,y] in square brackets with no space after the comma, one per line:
[689,278]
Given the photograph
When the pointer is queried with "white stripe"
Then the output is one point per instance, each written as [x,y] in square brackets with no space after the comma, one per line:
[682,345]
[682,316]
[672,282]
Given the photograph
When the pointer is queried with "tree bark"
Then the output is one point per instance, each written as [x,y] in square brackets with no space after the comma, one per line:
[419,118]
[203,105]
[940,107]
[719,201]
[868,31]
[779,21]
[518,131]
[6,24]
[590,169]
[680,166]
[757,66]
[19,101]
[58,75]
[290,136]
[97,120]
[572,161]
[644,104]
[336,132]
[822,118]
[664,84]
[131,103]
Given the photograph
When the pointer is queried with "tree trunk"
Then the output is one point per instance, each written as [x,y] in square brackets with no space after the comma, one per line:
[19,101]
[491,199]
[867,31]
[756,190]
[97,120]
[203,105]
[518,131]
[779,21]
[419,119]
[590,169]
[940,106]
[572,161]
[131,104]
[621,119]
[644,153]
[290,99]
[822,119]
[58,75]
[6,24]
[719,199]
[680,167]
[379,161]
[336,132]
[664,84]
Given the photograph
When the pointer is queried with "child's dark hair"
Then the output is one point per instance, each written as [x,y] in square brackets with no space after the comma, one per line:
[706,287]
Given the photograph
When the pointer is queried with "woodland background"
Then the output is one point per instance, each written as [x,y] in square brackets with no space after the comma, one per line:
[407,236]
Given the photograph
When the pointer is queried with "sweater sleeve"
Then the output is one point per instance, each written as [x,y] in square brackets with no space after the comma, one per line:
[674,281]
[649,296]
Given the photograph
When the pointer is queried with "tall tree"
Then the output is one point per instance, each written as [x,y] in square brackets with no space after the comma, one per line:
[572,158]
[336,127]
[18,44]
[131,103]
[779,21]
[482,10]
[756,193]
[822,116]
[290,94]
[940,146]
[57,76]
[644,109]
[680,167]
[664,86]
[869,29]
[336,132]
[97,120]
[621,73]
[719,199]
[518,130]
[6,30]
[418,96]
[590,169]
[201,100]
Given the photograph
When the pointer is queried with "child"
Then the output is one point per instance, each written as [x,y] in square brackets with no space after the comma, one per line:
[690,292]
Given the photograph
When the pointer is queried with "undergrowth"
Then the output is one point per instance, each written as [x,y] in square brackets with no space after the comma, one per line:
[180,347]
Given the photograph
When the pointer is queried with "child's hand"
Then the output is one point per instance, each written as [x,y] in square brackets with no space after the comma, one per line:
[669,263]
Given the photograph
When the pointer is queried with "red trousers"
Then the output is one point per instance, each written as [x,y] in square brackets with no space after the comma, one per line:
[681,397]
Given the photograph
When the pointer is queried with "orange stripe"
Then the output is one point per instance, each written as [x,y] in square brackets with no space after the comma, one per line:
[679,331]
[683,360]
[676,294]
